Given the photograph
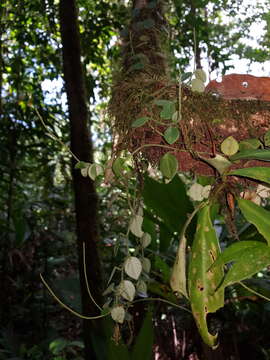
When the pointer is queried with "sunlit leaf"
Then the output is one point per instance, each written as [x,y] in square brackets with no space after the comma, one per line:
[197,85]
[249,262]
[219,162]
[229,146]
[200,74]
[257,154]
[257,173]
[94,171]
[201,282]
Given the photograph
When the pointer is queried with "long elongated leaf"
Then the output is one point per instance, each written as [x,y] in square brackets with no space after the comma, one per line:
[255,154]
[201,282]
[257,216]
[250,261]
[178,277]
[257,173]
[233,252]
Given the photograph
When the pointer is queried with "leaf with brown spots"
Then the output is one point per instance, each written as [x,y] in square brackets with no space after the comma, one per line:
[201,282]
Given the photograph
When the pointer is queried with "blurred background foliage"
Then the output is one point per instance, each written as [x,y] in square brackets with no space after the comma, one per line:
[37,218]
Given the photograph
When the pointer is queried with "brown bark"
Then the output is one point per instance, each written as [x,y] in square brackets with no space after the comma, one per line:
[85,195]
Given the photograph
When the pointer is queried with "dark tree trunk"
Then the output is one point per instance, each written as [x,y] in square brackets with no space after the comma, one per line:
[85,195]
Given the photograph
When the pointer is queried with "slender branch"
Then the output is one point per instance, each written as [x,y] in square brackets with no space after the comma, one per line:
[254,291]
[69,308]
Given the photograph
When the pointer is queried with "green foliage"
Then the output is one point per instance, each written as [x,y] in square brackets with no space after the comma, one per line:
[201,282]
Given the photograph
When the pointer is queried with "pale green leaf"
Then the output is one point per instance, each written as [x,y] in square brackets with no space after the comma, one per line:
[200,74]
[229,146]
[197,85]
[127,290]
[141,288]
[133,267]
[178,276]
[175,117]
[118,314]
[145,240]
[136,225]
[146,264]
[219,162]
[94,171]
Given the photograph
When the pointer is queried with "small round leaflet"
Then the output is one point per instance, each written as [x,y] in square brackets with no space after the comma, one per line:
[133,267]
[127,290]
[118,314]
[229,146]
[168,165]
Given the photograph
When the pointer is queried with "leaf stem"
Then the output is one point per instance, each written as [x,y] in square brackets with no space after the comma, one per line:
[254,291]
[69,308]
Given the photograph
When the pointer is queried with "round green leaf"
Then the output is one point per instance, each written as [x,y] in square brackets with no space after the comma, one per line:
[146,264]
[94,171]
[141,288]
[133,267]
[136,225]
[200,74]
[229,146]
[171,135]
[145,240]
[118,166]
[168,165]
[140,122]
[127,290]
[197,85]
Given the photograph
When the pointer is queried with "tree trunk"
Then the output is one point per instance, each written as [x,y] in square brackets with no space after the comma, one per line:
[85,194]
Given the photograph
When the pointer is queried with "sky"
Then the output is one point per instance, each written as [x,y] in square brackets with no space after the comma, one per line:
[241,66]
